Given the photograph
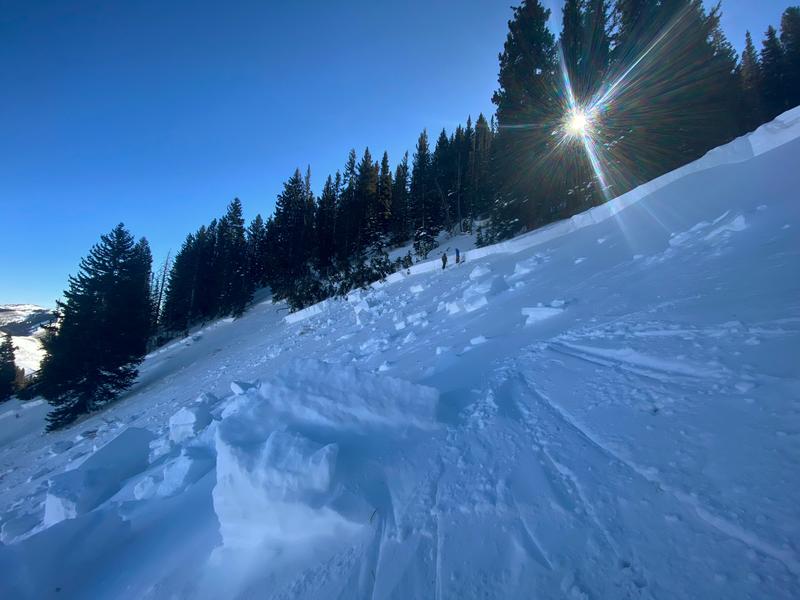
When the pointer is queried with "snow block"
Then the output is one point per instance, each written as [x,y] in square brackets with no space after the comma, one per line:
[479,272]
[272,491]
[539,313]
[318,393]
[186,469]
[78,491]
[188,422]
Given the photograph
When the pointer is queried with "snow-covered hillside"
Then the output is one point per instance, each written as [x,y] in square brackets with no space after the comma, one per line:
[24,323]
[606,408]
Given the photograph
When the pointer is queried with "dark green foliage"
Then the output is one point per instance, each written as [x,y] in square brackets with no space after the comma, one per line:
[528,111]
[399,225]
[424,207]
[790,39]
[8,371]
[101,333]
[752,110]
[772,75]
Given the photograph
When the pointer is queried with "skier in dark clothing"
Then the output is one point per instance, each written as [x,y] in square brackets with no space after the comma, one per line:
[444,260]
[458,256]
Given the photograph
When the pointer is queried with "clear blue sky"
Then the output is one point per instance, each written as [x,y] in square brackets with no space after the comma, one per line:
[158,113]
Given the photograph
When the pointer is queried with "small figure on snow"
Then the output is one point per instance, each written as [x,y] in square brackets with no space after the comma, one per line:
[444,260]
[458,256]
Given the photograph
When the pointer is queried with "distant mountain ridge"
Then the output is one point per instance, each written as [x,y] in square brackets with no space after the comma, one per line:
[23,319]
[24,323]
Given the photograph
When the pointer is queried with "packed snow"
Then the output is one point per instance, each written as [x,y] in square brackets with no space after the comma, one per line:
[557,417]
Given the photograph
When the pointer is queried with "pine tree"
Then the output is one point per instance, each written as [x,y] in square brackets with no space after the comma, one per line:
[325,226]
[752,113]
[528,112]
[257,252]
[103,325]
[236,287]
[290,236]
[443,178]
[425,219]
[385,195]
[572,46]
[179,299]
[596,54]
[8,372]
[772,75]
[479,188]
[347,211]
[661,120]
[399,226]
[790,39]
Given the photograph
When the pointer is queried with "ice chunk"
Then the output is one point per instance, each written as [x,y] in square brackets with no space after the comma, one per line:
[99,477]
[479,272]
[188,422]
[539,313]
[271,491]
[241,387]
[187,468]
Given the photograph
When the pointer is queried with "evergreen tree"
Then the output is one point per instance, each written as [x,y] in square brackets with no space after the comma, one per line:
[479,188]
[443,178]
[527,111]
[8,371]
[660,120]
[325,225]
[179,299]
[399,226]
[385,195]
[425,220]
[364,211]
[596,55]
[347,211]
[290,236]
[772,75]
[103,325]
[257,252]
[236,287]
[752,112]
[790,40]
[572,46]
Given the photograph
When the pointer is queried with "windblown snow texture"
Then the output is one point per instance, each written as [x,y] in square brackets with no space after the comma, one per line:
[605,408]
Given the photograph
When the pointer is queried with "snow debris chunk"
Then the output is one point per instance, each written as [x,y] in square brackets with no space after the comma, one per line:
[80,490]
[272,490]
[417,289]
[479,272]
[322,394]
[188,422]
[539,313]
[241,387]
[190,466]
[478,340]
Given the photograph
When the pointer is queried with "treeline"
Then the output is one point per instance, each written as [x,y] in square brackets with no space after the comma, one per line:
[658,82]
[314,247]
[662,85]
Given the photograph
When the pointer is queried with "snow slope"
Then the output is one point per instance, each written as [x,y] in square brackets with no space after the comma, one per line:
[23,322]
[605,408]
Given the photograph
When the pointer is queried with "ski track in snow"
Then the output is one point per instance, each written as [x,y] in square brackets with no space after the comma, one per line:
[606,408]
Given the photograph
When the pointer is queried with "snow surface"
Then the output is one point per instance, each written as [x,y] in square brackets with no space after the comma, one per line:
[23,322]
[564,418]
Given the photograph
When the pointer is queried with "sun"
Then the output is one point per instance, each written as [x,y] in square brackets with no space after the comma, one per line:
[577,123]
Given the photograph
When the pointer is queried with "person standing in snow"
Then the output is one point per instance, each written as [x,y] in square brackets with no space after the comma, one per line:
[444,260]
[458,256]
